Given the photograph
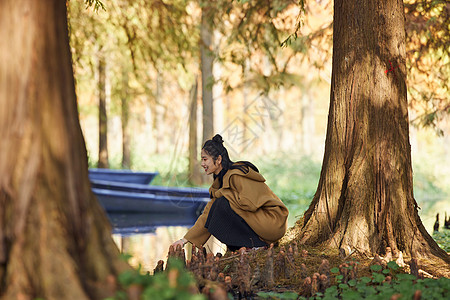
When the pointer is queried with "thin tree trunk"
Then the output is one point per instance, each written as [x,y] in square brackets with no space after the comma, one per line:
[218,92]
[102,116]
[151,121]
[55,241]
[160,114]
[246,99]
[206,64]
[365,200]
[126,152]
[194,173]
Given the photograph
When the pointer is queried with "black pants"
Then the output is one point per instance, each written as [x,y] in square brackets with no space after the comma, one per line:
[230,228]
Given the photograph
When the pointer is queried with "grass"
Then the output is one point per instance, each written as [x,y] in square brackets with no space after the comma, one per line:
[442,239]
[293,179]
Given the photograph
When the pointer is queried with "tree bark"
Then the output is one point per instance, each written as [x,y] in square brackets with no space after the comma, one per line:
[126,151]
[55,241]
[364,200]
[206,65]
[102,116]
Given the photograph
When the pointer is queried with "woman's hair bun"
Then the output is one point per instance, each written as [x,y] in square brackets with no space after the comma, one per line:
[217,139]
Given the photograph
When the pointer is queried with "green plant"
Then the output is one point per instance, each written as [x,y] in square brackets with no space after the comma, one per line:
[174,283]
[275,295]
[443,239]
[384,283]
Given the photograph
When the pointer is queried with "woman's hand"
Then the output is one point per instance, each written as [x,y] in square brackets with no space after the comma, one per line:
[181,242]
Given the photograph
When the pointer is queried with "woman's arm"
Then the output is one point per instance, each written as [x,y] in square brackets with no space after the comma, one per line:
[198,234]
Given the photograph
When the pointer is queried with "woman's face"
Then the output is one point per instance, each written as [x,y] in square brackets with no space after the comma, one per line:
[209,165]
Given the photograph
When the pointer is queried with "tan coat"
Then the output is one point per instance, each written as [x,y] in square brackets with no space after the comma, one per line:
[251,199]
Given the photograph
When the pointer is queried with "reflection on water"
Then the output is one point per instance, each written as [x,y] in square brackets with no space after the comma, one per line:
[147,237]
[147,248]
[140,223]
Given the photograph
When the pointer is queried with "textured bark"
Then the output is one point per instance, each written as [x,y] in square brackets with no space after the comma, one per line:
[55,241]
[102,116]
[206,65]
[364,199]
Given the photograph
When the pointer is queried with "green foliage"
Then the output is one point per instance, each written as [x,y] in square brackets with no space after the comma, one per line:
[96,3]
[377,287]
[125,256]
[376,268]
[256,26]
[425,182]
[297,180]
[174,283]
[292,37]
[293,178]
[393,265]
[275,295]
[335,270]
[442,239]
[380,286]
[428,36]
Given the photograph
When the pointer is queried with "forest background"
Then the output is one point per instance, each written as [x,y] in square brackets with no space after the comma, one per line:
[149,72]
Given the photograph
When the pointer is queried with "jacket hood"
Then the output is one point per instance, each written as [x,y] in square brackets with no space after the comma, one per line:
[247,172]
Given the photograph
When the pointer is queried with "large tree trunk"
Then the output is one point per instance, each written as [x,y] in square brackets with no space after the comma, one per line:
[102,116]
[364,200]
[126,139]
[55,241]
[206,64]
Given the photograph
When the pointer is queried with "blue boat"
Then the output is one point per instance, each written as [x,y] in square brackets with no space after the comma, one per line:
[135,202]
[122,175]
[194,192]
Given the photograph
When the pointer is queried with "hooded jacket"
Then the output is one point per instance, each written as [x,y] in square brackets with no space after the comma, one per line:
[251,199]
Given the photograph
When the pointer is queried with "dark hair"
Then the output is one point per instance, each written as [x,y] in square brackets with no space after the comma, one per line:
[214,147]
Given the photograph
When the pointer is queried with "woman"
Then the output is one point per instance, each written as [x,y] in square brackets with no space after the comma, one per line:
[243,211]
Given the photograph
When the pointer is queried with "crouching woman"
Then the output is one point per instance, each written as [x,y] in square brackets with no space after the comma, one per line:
[243,210]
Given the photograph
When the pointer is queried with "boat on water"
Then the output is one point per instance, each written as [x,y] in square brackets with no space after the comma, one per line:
[126,176]
[147,202]
[193,192]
